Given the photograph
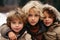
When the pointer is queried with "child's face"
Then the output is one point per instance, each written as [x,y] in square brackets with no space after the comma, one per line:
[16,25]
[48,20]
[33,16]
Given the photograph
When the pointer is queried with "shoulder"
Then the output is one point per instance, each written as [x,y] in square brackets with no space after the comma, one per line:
[2,38]
[57,27]
[4,30]
[26,35]
[4,26]
[57,30]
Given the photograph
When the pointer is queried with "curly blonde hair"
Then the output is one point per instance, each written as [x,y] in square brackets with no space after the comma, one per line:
[33,4]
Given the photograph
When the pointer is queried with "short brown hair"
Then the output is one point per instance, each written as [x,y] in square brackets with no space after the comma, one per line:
[15,14]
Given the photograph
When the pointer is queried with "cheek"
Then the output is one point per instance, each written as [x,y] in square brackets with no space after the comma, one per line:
[51,20]
[37,19]
[21,26]
[12,26]
[44,20]
[29,18]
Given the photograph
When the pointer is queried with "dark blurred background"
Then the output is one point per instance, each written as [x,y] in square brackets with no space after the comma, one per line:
[6,5]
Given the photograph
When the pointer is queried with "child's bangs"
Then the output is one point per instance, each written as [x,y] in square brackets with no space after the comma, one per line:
[15,17]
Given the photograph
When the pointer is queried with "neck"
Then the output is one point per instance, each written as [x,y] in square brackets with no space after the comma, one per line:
[16,33]
[34,29]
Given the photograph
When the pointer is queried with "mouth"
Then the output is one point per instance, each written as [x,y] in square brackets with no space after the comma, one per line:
[32,22]
[47,22]
[16,28]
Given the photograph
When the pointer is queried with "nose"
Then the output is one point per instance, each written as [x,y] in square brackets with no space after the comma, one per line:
[47,19]
[17,25]
[33,18]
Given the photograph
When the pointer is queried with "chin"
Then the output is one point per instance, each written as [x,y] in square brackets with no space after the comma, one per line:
[17,31]
[32,24]
[48,25]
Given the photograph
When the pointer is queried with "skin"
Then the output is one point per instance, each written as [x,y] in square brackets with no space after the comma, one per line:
[33,16]
[48,20]
[12,36]
[16,26]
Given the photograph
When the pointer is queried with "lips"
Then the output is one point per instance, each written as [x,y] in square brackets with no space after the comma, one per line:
[17,28]
[32,22]
[47,22]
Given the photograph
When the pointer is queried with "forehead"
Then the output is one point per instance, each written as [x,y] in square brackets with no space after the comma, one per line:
[34,10]
[48,14]
[16,19]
